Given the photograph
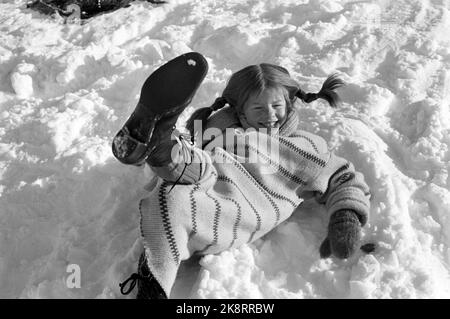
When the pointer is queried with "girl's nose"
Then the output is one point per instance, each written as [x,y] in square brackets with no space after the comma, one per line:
[270,112]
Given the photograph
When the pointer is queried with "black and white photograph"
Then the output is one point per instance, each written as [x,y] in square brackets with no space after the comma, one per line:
[251,150]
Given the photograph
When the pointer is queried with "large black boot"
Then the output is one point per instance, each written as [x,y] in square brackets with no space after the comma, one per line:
[148,287]
[164,96]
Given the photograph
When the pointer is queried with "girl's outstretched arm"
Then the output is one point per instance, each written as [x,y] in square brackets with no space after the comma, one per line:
[339,186]
[346,197]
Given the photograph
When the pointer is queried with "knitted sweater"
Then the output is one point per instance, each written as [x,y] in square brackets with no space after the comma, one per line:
[246,190]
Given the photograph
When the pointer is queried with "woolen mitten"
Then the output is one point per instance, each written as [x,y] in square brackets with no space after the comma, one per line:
[344,235]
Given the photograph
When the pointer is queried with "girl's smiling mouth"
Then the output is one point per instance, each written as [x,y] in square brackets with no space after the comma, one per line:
[269,124]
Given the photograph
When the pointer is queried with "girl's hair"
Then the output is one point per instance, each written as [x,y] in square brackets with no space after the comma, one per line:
[254,79]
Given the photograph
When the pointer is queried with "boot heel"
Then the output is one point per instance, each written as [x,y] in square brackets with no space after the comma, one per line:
[129,150]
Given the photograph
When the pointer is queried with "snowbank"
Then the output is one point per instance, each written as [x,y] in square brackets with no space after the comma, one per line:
[65,90]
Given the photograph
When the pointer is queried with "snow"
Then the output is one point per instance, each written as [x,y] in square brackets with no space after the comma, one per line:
[66,89]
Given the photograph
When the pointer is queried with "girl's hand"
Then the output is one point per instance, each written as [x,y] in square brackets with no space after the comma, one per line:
[344,235]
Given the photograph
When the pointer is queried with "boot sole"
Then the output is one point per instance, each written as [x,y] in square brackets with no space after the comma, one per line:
[168,90]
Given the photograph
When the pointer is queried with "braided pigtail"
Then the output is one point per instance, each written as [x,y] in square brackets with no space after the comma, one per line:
[203,114]
[326,92]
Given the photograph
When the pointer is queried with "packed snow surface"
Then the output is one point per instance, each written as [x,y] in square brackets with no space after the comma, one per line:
[66,89]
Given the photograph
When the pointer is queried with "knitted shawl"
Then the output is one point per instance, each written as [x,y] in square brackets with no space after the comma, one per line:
[239,200]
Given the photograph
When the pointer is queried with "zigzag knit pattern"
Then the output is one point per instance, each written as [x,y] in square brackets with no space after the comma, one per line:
[194,208]
[217,212]
[266,193]
[257,215]
[309,140]
[164,210]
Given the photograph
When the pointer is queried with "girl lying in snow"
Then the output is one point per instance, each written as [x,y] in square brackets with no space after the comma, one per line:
[251,169]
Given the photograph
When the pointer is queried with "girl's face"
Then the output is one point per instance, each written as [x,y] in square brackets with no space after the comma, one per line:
[266,110]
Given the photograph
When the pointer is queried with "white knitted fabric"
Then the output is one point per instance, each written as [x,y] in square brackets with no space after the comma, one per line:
[237,202]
